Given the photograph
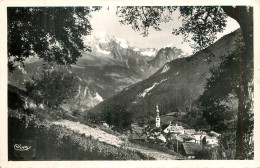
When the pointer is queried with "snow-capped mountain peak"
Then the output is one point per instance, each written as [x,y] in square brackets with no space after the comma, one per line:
[122,42]
[104,44]
[103,37]
[136,49]
[171,45]
[149,52]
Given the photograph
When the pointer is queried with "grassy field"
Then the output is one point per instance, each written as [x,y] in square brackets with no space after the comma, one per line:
[54,142]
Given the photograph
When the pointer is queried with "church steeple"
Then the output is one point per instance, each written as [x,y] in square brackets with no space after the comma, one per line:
[157,119]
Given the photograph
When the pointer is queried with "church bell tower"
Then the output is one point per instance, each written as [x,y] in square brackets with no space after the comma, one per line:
[157,119]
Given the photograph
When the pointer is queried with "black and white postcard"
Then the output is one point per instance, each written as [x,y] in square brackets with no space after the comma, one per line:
[133,83]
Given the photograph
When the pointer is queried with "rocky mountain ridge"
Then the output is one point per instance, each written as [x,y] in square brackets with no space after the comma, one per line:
[113,65]
[176,85]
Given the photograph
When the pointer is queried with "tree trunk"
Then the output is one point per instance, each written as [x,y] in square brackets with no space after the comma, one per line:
[244,16]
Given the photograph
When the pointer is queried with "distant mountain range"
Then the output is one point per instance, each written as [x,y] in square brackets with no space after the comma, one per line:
[176,85]
[113,65]
[102,42]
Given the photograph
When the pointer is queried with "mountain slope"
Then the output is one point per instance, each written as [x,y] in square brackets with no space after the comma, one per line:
[113,65]
[176,85]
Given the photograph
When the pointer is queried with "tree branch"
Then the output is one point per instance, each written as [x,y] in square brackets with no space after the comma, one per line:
[232,12]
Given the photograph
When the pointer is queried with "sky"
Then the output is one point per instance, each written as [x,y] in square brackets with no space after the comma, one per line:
[107,21]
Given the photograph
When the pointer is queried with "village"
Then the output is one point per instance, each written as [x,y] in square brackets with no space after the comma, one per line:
[186,142]
[107,82]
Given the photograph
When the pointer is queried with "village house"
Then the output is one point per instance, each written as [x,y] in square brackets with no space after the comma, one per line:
[191,149]
[175,129]
[176,134]
[210,140]
[189,131]
[192,140]
[175,137]
[161,138]
[214,134]
[187,138]
[199,136]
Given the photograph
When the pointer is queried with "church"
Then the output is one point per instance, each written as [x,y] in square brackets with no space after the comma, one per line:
[157,119]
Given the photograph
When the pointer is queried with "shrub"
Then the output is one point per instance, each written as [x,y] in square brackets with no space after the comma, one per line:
[53,88]
[75,112]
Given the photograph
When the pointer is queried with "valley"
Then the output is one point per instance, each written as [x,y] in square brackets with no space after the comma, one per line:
[130,83]
[175,86]
[101,73]
[106,81]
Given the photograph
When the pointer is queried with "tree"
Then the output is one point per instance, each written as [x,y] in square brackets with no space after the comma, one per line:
[53,88]
[51,33]
[117,116]
[226,147]
[219,93]
[202,24]
[57,39]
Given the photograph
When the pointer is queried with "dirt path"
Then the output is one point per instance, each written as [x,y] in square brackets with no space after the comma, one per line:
[89,131]
[112,139]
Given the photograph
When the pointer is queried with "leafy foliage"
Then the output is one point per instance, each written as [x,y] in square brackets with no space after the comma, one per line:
[225,150]
[219,92]
[184,84]
[226,146]
[51,33]
[222,89]
[75,112]
[200,23]
[194,120]
[117,116]
[144,17]
[58,40]
[53,88]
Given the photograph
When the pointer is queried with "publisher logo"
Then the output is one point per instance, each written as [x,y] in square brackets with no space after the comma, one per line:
[24,148]
[20,147]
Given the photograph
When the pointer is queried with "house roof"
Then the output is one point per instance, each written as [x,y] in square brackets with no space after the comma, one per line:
[186,137]
[175,128]
[200,133]
[190,131]
[210,137]
[191,148]
[162,138]
[214,133]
